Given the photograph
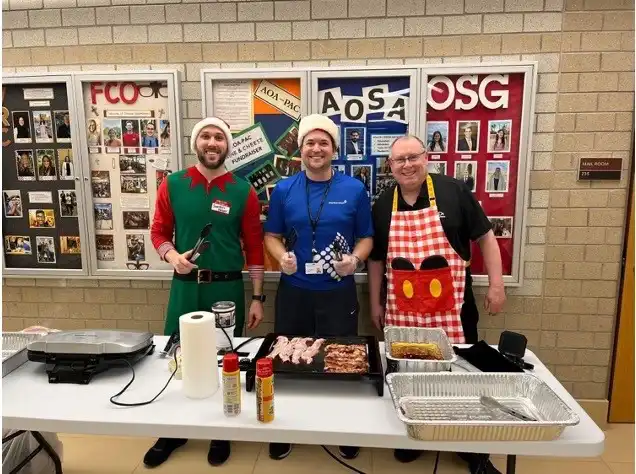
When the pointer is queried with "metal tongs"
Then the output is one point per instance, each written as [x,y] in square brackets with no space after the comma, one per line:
[493,404]
[198,247]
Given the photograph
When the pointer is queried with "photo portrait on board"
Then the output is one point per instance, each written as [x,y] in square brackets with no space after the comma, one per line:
[466,171]
[497,176]
[46,249]
[25,165]
[467,137]
[17,245]
[499,136]
[501,227]
[62,126]
[150,136]
[12,203]
[436,167]
[437,137]
[355,142]
[46,165]
[93,135]
[65,163]
[43,126]
[21,127]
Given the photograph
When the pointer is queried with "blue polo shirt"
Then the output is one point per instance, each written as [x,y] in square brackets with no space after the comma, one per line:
[345,218]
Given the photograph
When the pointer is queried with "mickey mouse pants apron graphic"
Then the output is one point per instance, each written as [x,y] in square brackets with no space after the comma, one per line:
[426,277]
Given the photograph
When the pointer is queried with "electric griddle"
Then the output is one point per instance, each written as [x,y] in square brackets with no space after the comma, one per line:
[76,356]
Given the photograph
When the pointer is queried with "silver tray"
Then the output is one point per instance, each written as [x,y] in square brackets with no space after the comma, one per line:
[445,406]
[14,352]
[412,334]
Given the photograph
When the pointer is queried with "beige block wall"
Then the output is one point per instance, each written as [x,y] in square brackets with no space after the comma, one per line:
[585,105]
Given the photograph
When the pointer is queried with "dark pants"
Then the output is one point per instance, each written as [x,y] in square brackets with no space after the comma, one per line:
[312,313]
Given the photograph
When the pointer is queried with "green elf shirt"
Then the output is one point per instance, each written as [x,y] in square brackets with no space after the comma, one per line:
[186,202]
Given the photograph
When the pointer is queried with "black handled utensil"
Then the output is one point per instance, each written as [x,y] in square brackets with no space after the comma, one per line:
[202,248]
[291,239]
[204,233]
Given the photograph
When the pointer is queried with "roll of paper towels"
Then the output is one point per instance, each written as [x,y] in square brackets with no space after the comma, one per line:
[200,371]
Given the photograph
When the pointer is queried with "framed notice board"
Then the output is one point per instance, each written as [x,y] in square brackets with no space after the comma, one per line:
[43,220]
[477,123]
[263,109]
[371,107]
[130,140]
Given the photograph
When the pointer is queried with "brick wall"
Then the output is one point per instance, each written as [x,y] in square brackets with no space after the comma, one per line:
[585,50]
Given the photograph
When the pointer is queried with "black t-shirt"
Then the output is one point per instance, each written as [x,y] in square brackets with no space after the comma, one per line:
[463,219]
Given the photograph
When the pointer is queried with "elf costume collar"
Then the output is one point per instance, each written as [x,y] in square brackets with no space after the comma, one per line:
[196,178]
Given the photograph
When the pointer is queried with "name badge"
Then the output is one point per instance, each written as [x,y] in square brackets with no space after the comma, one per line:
[313,269]
[221,206]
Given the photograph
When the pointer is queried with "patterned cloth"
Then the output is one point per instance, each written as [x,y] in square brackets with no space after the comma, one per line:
[417,236]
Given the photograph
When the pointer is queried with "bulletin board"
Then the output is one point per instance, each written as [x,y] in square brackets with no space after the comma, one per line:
[43,229]
[477,123]
[263,109]
[130,140]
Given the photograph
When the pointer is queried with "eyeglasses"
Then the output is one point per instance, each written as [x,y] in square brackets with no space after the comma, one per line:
[137,265]
[403,159]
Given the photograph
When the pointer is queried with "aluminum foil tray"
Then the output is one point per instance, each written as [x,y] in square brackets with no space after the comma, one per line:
[413,334]
[14,352]
[445,407]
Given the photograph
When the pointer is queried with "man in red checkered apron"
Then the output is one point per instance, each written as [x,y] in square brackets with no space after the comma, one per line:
[424,226]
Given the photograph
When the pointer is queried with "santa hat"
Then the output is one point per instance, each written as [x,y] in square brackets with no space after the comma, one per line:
[206,122]
[318,122]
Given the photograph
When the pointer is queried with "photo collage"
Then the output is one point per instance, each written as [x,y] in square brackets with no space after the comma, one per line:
[370,113]
[479,145]
[40,219]
[130,152]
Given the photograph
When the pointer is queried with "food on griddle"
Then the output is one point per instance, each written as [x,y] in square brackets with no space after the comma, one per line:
[346,359]
[298,350]
[416,350]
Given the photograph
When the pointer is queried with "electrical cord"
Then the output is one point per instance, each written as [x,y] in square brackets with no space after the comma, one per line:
[340,461]
[174,354]
[148,402]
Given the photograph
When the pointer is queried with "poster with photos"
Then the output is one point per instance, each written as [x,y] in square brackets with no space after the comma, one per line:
[130,148]
[38,178]
[263,115]
[371,113]
[473,127]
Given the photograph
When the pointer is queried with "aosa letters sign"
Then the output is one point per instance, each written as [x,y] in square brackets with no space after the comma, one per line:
[464,93]
[374,99]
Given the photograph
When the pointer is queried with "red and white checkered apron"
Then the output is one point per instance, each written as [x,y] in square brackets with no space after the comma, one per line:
[424,297]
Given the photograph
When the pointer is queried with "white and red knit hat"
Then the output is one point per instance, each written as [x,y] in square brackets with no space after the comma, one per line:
[318,122]
[217,122]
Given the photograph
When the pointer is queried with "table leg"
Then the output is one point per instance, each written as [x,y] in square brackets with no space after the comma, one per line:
[511,464]
[49,450]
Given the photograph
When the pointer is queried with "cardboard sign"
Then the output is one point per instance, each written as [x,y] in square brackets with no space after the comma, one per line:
[279,98]
[248,146]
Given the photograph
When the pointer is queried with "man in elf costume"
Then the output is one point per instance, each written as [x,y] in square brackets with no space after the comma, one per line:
[187,201]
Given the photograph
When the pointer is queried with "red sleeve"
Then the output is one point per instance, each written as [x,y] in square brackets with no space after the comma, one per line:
[162,229]
[252,233]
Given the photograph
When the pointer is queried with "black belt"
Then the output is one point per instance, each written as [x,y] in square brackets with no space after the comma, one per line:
[208,276]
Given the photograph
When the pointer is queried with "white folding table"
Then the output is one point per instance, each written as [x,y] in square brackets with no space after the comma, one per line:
[307,412]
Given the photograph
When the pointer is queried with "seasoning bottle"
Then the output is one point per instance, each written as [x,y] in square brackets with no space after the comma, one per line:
[265,390]
[231,385]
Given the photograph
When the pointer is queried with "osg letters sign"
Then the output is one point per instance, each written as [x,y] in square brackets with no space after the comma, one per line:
[468,91]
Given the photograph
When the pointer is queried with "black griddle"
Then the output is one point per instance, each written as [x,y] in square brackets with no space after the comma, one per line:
[316,370]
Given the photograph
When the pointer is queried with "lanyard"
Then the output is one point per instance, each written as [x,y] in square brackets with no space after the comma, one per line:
[314,222]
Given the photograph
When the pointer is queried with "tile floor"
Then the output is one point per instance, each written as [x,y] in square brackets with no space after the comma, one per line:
[110,455]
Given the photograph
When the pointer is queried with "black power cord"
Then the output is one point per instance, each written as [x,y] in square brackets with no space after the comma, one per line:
[340,461]
[148,402]
[132,379]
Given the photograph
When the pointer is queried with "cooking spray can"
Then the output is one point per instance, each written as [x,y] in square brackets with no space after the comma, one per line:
[265,390]
[231,385]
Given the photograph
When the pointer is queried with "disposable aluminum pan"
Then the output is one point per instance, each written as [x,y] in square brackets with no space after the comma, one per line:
[412,334]
[14,352]
[445,407]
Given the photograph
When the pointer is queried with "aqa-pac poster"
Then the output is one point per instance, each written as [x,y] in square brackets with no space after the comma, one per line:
[263,115]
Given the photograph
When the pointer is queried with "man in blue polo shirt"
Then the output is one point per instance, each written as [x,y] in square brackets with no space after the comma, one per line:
[331,215]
